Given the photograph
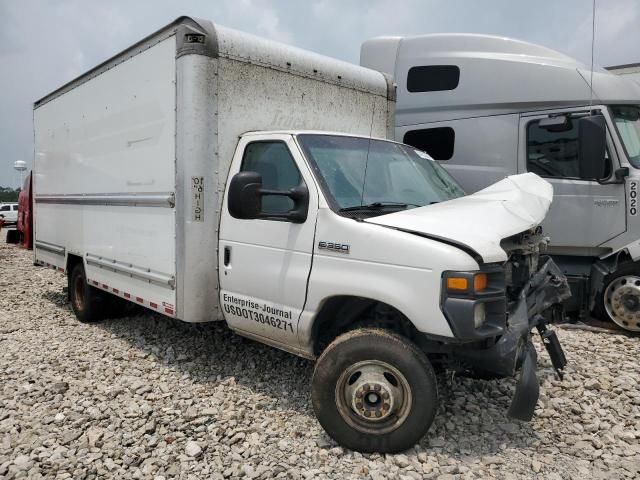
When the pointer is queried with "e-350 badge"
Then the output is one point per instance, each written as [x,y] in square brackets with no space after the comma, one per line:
[334,247]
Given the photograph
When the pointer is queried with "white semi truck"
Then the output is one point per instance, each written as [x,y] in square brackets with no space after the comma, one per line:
[195,174]
[486,107]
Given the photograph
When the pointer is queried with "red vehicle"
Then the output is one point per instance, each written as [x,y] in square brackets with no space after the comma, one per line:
[23,234]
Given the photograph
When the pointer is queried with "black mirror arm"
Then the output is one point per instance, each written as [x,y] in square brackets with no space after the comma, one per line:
[621,174]
[277,193]
[618,177]
[297,194]
[292,193]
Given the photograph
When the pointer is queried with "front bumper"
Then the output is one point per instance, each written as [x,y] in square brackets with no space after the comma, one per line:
[513,350]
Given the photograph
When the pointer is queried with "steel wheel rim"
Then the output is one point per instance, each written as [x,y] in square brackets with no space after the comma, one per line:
[373,397]
[622,302]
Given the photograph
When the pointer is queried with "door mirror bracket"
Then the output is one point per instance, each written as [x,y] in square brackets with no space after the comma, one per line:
[245,199]
[621,174]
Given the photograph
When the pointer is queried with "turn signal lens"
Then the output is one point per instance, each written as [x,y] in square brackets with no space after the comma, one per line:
[457,283]
[479,282]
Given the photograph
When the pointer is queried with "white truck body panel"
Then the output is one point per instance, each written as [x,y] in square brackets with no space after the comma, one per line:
[510,206]
[111,139]
[131,158]
[374,254]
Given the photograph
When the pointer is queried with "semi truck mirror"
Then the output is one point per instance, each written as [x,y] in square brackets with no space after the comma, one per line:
[245,199]
[592,160]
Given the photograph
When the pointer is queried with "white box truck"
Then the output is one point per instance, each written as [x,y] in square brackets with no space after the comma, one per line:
[194,174]
[487,107]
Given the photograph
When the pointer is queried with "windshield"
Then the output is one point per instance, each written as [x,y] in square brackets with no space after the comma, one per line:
[375,174]
[627,120]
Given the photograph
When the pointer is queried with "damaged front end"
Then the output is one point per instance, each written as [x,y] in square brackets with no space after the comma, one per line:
[530,287]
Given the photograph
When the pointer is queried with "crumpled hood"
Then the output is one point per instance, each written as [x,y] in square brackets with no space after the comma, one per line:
[481,220]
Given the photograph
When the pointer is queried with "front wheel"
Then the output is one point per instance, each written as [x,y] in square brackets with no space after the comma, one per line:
[620,298]
[374,391]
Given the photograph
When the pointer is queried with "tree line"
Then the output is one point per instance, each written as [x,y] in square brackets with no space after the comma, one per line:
[8,194]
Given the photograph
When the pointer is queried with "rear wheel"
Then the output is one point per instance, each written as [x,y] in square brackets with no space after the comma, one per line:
[88,302]
[374,391]
[620,298]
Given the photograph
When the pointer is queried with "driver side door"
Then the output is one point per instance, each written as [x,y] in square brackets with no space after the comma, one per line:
[265,263]
[584,213]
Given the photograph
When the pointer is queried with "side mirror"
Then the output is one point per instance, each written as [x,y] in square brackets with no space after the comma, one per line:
[592,138]
[245,198]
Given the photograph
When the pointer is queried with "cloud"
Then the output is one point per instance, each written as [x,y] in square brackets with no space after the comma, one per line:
[44,44]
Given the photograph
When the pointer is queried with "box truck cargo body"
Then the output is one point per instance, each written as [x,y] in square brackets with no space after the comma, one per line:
[151,133]
[196,174]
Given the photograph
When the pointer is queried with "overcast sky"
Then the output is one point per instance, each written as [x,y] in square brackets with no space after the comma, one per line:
[45,43]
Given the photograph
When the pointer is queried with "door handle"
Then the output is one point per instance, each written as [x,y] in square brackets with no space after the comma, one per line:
[227,256]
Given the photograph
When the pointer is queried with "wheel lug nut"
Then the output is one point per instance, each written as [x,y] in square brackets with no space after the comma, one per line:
[385,406]
[376,388]
[385,395]
[359,394]
[359,404]
[378,413]
[367,413]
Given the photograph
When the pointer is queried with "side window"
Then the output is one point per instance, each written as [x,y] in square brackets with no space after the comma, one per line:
[553,153]
[437,142]
[433,78]
[15,208]
[274,162]
[5,208]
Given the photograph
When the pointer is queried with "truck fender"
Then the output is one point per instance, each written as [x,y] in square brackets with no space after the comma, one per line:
[600,269]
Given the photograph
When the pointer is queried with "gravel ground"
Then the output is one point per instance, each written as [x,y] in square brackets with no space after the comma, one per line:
[150,397]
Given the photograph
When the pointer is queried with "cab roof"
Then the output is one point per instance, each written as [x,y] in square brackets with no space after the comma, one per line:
[496,75]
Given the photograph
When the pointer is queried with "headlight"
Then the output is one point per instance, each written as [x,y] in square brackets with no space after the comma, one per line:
[474,302]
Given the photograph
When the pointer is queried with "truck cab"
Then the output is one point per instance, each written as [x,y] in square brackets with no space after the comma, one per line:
[355,237]
[486,107]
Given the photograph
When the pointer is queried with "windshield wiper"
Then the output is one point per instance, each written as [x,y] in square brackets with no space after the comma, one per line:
[378,205]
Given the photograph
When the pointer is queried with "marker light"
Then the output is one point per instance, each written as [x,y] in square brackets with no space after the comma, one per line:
[461,284]
[479,282]
[457,283]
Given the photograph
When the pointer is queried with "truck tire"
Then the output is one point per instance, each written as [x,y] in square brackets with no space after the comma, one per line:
[374,391]
[87,302]
[13,236]
[619,300]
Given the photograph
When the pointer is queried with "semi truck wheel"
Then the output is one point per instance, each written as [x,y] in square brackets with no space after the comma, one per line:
[87,302]
[374,391]
[619,300]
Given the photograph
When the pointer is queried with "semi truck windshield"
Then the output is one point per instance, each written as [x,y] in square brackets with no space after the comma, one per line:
[374,175]
[627,120]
